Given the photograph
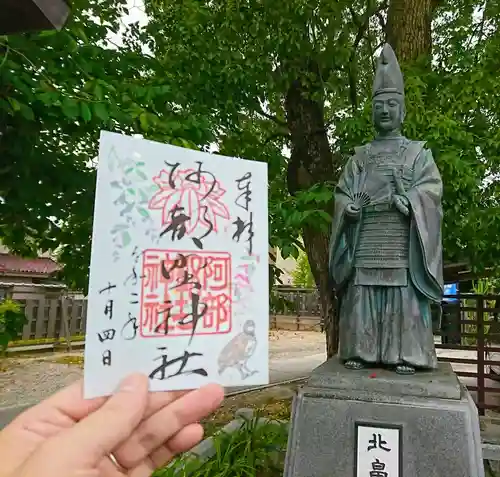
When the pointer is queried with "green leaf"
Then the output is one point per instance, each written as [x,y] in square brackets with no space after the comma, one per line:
[126,239]
[80,33]
[46,86]
[119,228]
[101,111]
[14,103]
[48,98]
[141,174]
[174,126]
[70,108]
[47,33]
[85,111]
[294,252]
[98,91]
[143,212]
[143,120]
[324,215]
[27,112]
[72,44]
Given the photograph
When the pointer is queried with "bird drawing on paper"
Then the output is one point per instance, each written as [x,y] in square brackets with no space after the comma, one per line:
[239,350]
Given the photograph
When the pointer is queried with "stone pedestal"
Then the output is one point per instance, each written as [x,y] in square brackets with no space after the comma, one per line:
[375,423]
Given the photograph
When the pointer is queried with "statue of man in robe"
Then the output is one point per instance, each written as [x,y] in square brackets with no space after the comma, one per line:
[385,250]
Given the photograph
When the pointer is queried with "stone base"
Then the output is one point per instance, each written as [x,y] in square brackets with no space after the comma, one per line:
[437,420]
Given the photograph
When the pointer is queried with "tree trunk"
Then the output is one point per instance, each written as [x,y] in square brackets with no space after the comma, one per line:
[409,29]
[312,162]
[317,248]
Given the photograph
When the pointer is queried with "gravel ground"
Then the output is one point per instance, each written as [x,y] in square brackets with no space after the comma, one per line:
[294,344]
[29,380]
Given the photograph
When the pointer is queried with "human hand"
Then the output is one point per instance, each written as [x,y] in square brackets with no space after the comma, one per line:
[402,204]
[68,436]
[353,211]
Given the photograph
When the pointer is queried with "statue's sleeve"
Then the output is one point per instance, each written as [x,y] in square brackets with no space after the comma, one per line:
[426,253]
[342,240]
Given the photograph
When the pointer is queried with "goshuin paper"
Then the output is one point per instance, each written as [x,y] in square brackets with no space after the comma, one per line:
[179,270]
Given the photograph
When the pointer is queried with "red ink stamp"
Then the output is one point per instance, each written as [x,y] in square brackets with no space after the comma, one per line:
[196,194]
[182,290]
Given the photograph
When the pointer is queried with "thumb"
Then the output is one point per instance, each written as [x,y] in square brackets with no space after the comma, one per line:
[93,438]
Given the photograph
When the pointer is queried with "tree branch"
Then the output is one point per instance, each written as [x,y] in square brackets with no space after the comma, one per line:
[479,28]
[437,3]
[362,28]
[381,21]
[355,18]
[277,135]
[271,117]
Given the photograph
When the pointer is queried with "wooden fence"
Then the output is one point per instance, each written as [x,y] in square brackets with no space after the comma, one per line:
[466,327]
[470,341]
[53,318]
[296,309]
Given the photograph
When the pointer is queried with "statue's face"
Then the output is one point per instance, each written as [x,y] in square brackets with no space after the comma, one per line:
[388,112]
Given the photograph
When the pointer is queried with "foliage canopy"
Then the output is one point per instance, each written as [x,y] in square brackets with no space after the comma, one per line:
[301,275]
[57,91]
[12,320]
[237,62]
[258,78]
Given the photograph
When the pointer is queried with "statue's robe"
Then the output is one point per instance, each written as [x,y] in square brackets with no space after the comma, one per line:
[387,267]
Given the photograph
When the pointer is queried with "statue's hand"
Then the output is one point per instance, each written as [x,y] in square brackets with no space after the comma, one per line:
[402,204]
[353,211]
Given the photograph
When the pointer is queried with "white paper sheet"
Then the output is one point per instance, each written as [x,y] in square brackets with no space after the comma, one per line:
[180,237]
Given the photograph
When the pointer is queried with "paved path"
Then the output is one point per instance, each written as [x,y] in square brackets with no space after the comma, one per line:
[279,370]
[292,368]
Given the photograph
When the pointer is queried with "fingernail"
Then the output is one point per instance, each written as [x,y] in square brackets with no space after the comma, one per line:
[130,384]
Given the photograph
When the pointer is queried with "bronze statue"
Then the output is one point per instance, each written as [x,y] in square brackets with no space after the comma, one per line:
[385,249]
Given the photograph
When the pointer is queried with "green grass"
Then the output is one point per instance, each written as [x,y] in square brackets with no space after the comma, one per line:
[268,407]
[73,360]
[40,341]
[252,451]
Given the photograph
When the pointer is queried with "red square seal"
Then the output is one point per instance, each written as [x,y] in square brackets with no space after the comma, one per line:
[182,289]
